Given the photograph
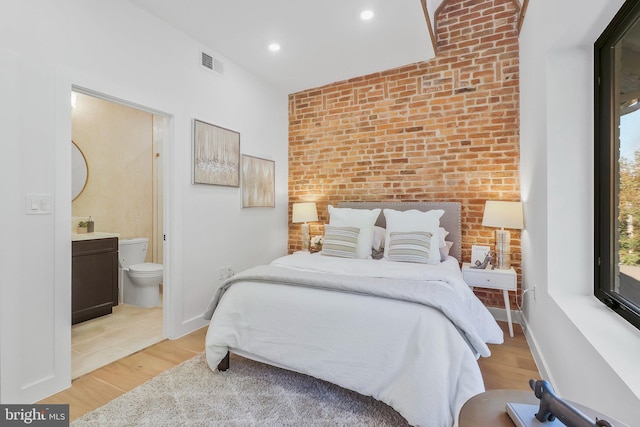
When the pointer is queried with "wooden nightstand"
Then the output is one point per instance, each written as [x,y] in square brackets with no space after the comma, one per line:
[507,280]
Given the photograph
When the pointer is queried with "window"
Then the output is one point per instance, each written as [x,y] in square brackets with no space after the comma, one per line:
[617,164]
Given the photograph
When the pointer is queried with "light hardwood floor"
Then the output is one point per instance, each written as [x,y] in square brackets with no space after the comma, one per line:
[510,366]
[100,341]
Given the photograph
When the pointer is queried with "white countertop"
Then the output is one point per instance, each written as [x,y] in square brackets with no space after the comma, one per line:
[92,236]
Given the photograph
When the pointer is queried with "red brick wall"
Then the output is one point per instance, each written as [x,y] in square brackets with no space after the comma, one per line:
[446,129]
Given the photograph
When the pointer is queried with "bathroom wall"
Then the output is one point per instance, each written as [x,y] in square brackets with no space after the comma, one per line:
[117,142]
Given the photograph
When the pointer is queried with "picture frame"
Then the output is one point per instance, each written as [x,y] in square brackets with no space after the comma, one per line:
[478,253]
[216,155]
[258,182]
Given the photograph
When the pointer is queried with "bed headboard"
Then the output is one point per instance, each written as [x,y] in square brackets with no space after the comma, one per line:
[451,220]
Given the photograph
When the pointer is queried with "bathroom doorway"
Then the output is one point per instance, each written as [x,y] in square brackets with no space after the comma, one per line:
[123,146]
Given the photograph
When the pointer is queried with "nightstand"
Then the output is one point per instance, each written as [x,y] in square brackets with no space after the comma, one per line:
[506,280]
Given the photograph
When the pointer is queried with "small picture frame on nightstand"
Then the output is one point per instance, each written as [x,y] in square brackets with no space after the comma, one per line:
[478,253]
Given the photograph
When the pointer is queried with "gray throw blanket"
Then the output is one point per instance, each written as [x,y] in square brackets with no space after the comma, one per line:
[436,294]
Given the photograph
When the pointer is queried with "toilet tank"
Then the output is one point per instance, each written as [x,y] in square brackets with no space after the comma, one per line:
[132,251]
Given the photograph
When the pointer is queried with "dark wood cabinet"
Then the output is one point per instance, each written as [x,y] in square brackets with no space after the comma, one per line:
[94,278]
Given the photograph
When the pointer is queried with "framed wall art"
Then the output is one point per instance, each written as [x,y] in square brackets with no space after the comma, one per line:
[258,182]
[478,253]
[216,155]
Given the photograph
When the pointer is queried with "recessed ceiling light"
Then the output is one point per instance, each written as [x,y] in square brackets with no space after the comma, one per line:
[366,15]
[274,47]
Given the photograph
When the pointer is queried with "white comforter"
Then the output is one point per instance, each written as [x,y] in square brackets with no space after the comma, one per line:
[408,355]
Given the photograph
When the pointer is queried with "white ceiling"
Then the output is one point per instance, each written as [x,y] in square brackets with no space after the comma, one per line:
[321,41]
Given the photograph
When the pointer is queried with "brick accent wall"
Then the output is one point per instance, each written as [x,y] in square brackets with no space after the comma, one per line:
[445,129]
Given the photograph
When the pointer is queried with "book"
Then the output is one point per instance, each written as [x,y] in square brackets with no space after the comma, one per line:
[524,415]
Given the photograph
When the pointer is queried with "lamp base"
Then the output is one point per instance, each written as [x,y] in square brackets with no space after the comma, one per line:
[503,249]
[305,237]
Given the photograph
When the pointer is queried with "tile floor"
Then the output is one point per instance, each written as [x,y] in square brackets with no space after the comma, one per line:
[103,340]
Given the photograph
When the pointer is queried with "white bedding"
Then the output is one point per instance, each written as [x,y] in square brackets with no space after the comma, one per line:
[407,355]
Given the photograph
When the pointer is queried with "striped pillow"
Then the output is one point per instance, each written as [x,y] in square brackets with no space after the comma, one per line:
[413,246]
[340,241]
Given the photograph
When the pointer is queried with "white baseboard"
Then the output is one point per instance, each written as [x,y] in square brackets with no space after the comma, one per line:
[500,314]
[173,332]
[535,352]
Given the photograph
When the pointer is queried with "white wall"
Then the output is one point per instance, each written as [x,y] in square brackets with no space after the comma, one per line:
[116,49]
[587,352]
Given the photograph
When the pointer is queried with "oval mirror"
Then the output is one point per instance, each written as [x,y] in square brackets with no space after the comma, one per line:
[79,171]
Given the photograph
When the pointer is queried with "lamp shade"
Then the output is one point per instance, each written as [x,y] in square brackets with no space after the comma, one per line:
[503,215]
[304,212]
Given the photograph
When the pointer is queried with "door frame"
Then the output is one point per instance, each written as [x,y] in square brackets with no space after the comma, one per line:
[169,298]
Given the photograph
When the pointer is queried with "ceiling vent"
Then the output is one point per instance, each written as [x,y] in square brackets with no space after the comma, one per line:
[211,63]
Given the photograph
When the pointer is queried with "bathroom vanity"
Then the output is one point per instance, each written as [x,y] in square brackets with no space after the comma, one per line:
[94,275]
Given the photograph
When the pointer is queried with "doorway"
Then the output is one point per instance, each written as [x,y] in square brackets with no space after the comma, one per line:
[124,146]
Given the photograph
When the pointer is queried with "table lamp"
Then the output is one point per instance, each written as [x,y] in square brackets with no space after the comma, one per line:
[304,212]
[503,215]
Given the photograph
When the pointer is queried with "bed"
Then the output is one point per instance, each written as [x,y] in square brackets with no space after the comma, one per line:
[405,332]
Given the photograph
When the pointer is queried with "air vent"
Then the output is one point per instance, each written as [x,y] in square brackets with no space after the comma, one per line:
[207,61]
[211,63]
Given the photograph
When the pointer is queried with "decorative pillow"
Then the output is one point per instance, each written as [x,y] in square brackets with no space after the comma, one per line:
[444,250]
[340,241]
[410,246]
[378,238]
[443,234]
[364,219]
[414,220]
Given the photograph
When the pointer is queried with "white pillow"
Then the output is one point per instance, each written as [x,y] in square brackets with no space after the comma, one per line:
[364,219]
[378,238]
[415,220]
[443,233]
[444,250]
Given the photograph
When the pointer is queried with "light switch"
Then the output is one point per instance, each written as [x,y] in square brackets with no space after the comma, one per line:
[38,204]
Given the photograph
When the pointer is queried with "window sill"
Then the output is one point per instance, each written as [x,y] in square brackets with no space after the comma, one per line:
[612,337]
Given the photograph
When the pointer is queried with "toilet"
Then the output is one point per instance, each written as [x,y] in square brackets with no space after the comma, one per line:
[139,280]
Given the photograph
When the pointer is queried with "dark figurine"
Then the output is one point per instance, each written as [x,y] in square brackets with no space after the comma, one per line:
[482,265]
[551,406]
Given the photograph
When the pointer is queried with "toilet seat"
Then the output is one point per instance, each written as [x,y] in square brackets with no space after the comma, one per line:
[145,269]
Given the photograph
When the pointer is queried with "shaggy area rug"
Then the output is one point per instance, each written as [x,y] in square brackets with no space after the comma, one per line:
[248,394]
